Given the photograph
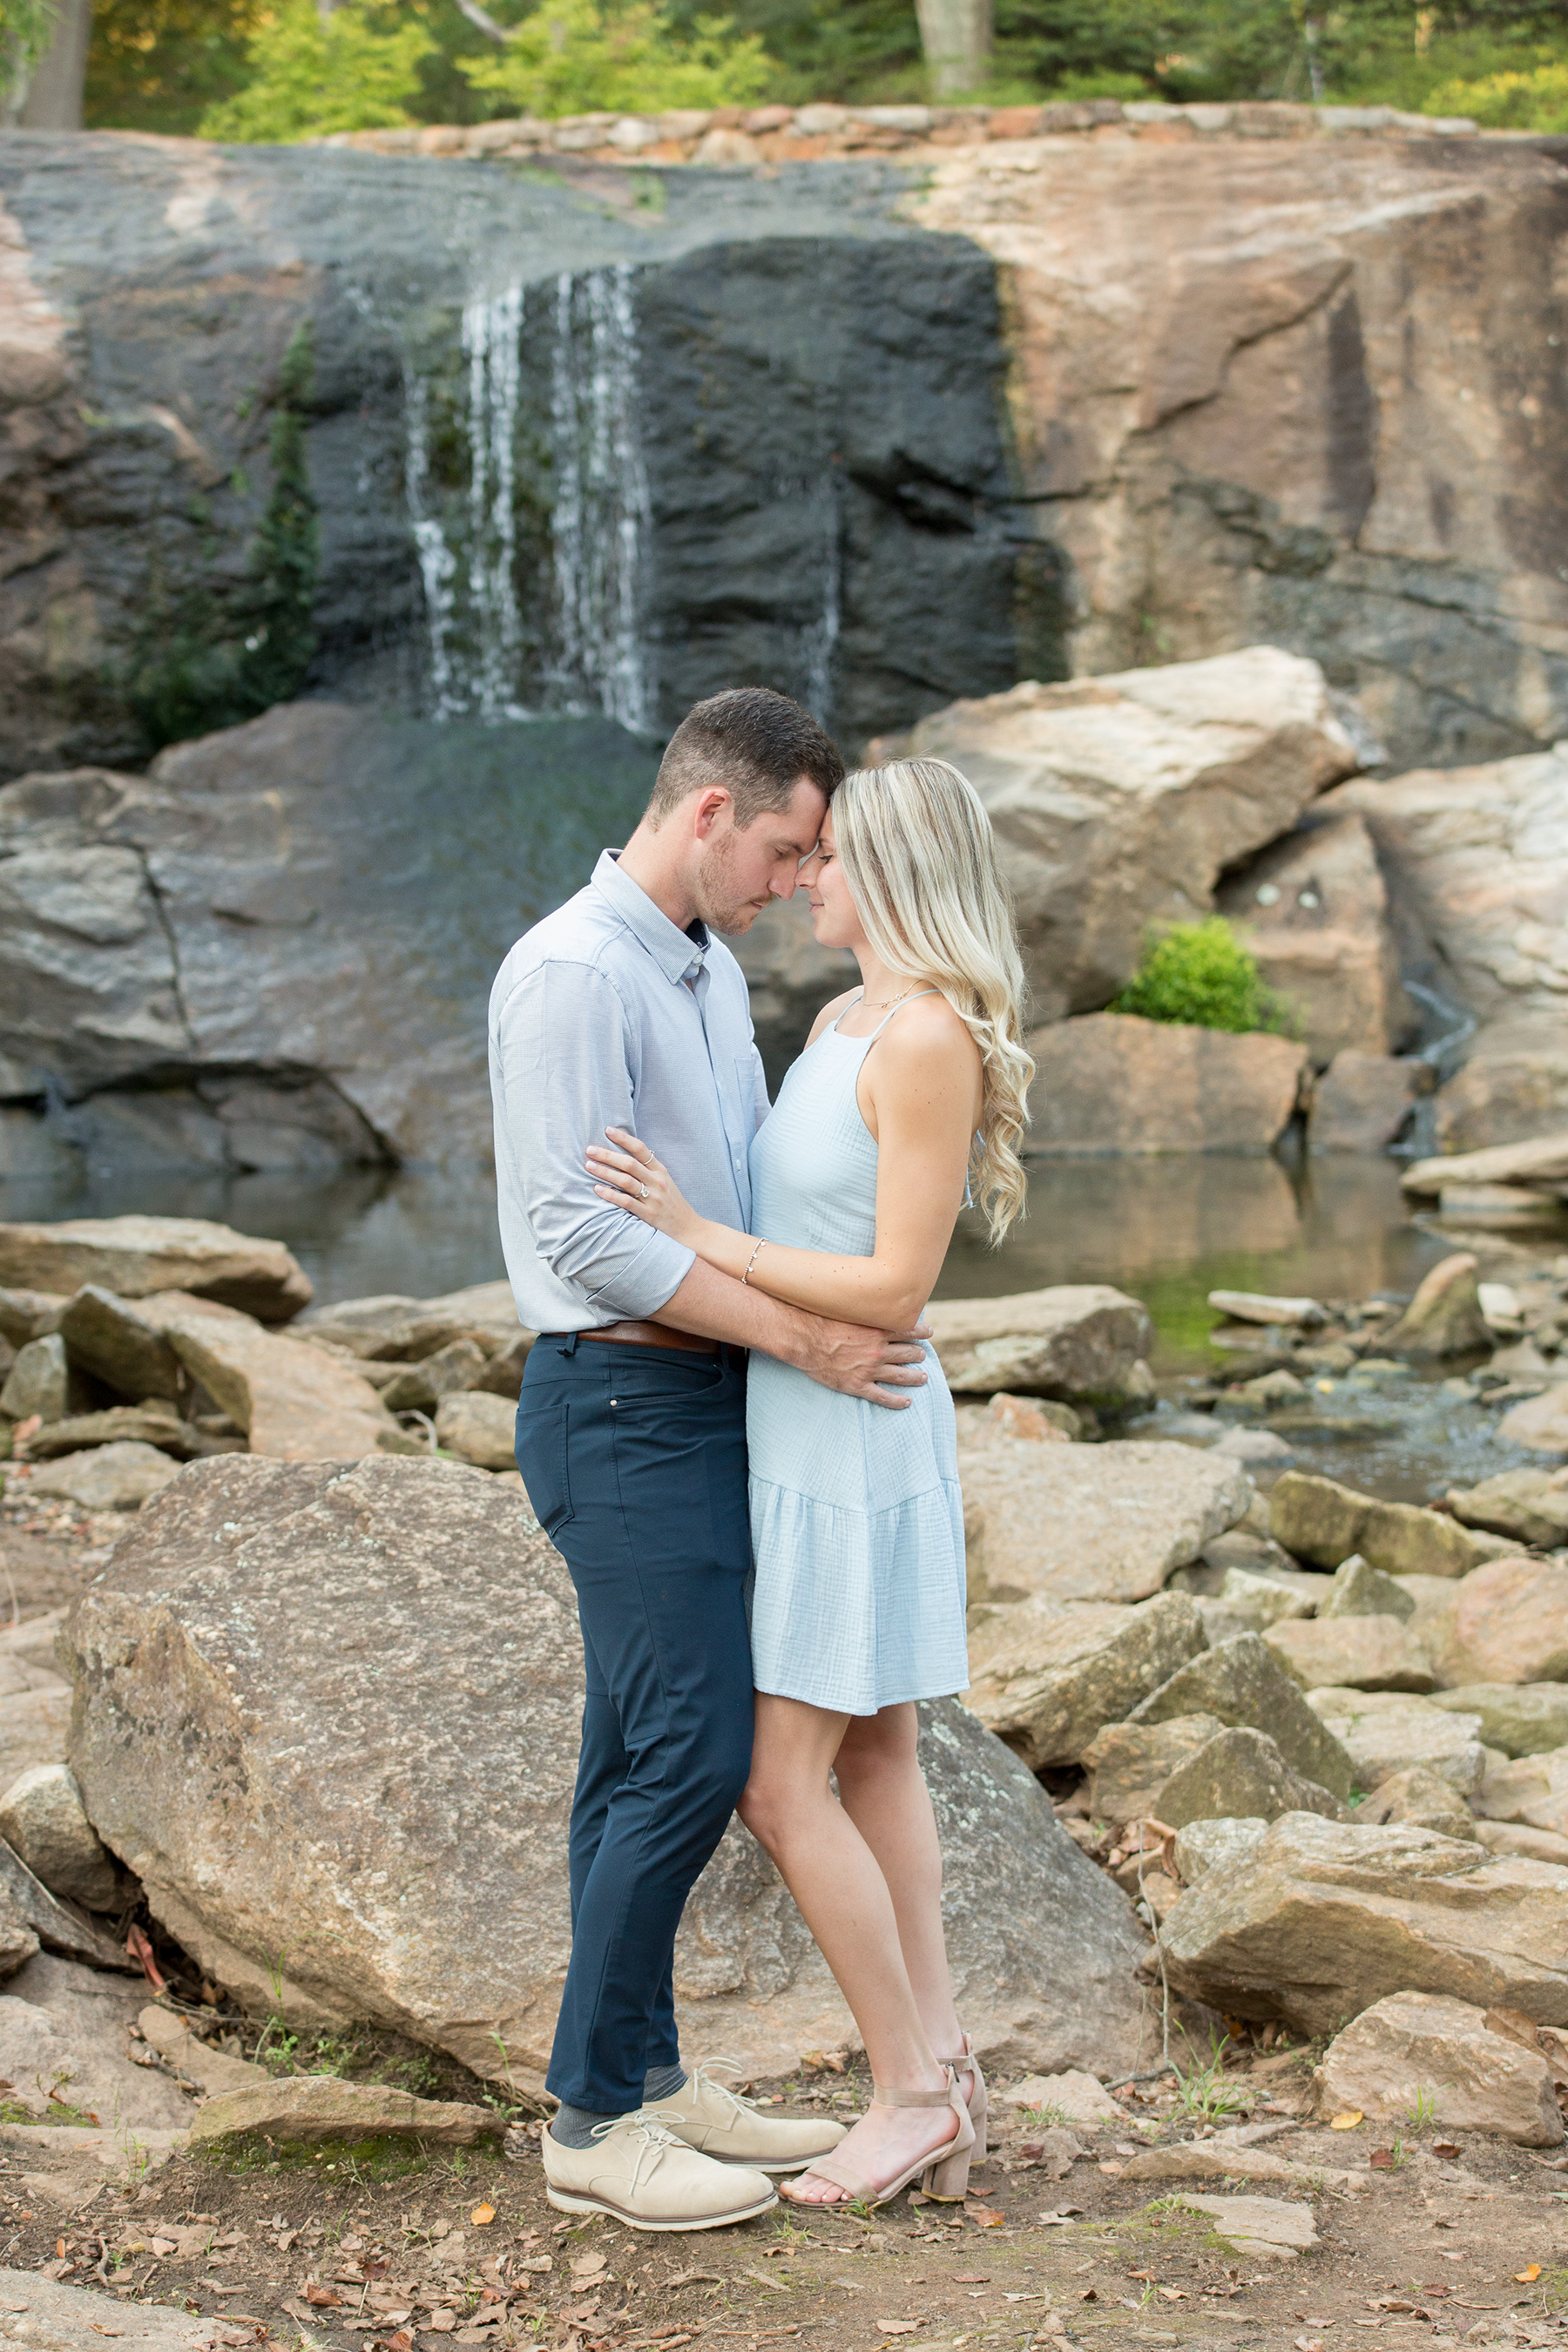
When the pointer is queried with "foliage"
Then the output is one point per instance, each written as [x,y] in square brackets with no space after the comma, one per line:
[213,668]
[355,70]
[1201,974]
[27,28]
[1203,2094]
[580,57]
[159,64]
[1533,100]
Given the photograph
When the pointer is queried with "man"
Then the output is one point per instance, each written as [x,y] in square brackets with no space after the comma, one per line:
[622,1009]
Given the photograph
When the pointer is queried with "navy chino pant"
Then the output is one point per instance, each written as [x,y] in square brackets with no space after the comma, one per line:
[635,1462]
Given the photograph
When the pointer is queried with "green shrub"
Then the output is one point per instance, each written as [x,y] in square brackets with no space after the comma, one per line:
[311,75]
[1201,974]
[575,56]
[1535,99]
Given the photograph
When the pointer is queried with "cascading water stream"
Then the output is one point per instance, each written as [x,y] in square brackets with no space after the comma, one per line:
[533,566]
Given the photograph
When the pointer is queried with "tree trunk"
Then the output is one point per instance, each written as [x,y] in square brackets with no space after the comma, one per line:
[956,37]
[54,94]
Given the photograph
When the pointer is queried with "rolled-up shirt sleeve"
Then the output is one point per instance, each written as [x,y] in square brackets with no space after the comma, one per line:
[561,1039]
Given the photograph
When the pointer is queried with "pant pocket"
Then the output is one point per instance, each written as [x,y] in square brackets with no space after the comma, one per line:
[541,1458]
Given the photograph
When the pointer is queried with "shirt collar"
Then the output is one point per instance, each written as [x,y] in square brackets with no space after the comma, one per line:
[678,953]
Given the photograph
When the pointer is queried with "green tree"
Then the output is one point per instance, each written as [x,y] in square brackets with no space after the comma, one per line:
[1201,974]
[578,56]
[1534,98]
[355,70]
[26,29]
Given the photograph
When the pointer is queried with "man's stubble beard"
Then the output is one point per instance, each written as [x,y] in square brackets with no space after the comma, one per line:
[718,904]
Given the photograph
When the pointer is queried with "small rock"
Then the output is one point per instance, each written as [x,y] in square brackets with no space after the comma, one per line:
[1540,1422]
[422,1386]
[1258,1307]
[1203,1845]
[1321,1521]
[1056,2152]
[1531,1789]
[1362,1101]
[1246,1603]
[293,1402]
[1075,1341]
[1362,1591]
[394,1330]
[120,1345]
[1073,2093]
[64,2318]
[199,2061]
[1255,1446]
[59,1927]
[152,1423]
[1543,1160]
[1422,2047]
[1322,1919]
[1445,1316]
[38,1382]
[61,2019]
[1222,2159]
[321,2107]
[1369,1653]
[1513,1837]
[1241,1774]
[479,1429]
[1528,1506]
[1420,1796]
[1258,2225]
[33,1727]
[117,1477]
[1278,1387]
[1045,1676]
[1522,1719]
[1034,1419]
[30,1313]
[1507,1622]
[1389,1732]
[1243,1684]
[43,1819]
[1129,1763]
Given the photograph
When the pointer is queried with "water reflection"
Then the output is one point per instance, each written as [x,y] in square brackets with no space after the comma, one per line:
[1169,1231]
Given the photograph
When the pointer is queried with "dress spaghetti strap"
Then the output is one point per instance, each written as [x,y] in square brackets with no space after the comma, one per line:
[887,1016]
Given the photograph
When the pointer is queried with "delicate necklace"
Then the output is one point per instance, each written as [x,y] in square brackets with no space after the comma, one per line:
[881,1003]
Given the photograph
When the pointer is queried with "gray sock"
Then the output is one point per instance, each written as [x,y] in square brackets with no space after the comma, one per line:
[573,2127]
[662,2082]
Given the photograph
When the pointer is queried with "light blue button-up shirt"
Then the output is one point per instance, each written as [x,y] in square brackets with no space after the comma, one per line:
[607,1014]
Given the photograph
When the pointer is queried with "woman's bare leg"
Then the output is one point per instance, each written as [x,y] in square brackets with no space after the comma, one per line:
[885,1795]
[826,1863]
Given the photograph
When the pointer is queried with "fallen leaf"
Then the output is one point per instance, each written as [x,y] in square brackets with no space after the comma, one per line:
[1089,2295]
[140,1951]
[589,2266]
[1147,2276]
[1346,2120]
[1446,2147]
[897,2326]
[1178,2295]
[1381,2159]
[482,2215]
[1529,2274]
[986,2219]
[324,2297]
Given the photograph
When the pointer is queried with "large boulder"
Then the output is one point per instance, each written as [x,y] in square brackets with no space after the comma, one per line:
[1522,1719]
[1321,1521]
[1387,1732]
[292,1401]
[1416,2049]
[119,1476]
[1480,860]
[395,1329]
[1313,908]
[1241,1683]
[1090,1522]
[135,1256]
[1540,1422]
[1508,1622]
[1112,1082]
[1539,1166]
[1321,1918]
[1528,1506]
[42,1819]
[1240,1775]
[1129,1764]
[1045,1676]
[1117,800]
[1362,1101]
[1371,1653]
[1076,1340]
[329,1715]
[1444,1318]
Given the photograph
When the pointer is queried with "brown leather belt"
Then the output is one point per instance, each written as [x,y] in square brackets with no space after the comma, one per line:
[644,1335]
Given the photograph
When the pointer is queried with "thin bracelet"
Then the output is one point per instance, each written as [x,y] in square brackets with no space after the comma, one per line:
[752,1261]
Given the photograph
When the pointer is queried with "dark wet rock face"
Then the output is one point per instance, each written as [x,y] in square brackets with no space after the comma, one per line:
[576,442]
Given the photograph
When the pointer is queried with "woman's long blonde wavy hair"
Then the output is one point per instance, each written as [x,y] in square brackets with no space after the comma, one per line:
[918,854]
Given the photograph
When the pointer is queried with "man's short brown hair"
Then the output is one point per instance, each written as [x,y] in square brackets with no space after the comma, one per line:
[756,744]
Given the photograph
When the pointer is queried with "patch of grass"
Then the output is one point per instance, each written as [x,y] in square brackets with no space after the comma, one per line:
[1552,2288]
[1423,2112]
[1202,2094]
[385,2156]
[1049,2117]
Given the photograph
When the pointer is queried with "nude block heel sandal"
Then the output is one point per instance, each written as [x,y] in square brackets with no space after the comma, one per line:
[945,2175]
[966,2062]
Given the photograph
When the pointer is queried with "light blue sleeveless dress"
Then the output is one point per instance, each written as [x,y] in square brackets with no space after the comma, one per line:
[857,1518]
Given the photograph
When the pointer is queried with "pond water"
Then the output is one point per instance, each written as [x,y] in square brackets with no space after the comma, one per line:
[1167,1230]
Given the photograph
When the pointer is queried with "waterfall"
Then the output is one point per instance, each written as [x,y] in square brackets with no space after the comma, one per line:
[601,509]
[533,559]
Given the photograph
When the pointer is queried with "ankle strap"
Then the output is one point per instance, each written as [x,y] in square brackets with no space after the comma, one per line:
[881,2098]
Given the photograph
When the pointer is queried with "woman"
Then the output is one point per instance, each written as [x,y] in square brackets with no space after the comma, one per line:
[910,1088]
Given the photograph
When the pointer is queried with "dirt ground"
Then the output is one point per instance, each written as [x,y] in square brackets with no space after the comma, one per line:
[392,2251]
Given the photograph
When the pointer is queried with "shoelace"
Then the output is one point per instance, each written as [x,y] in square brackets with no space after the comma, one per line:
[702,2074]
[647,2129]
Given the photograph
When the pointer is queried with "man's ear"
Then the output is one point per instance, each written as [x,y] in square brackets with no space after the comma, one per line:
[711,804]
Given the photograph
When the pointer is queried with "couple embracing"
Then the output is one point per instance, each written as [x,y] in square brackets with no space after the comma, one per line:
[729,1381]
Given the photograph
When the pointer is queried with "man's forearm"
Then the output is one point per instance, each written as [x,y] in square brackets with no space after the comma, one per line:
[717,1307]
